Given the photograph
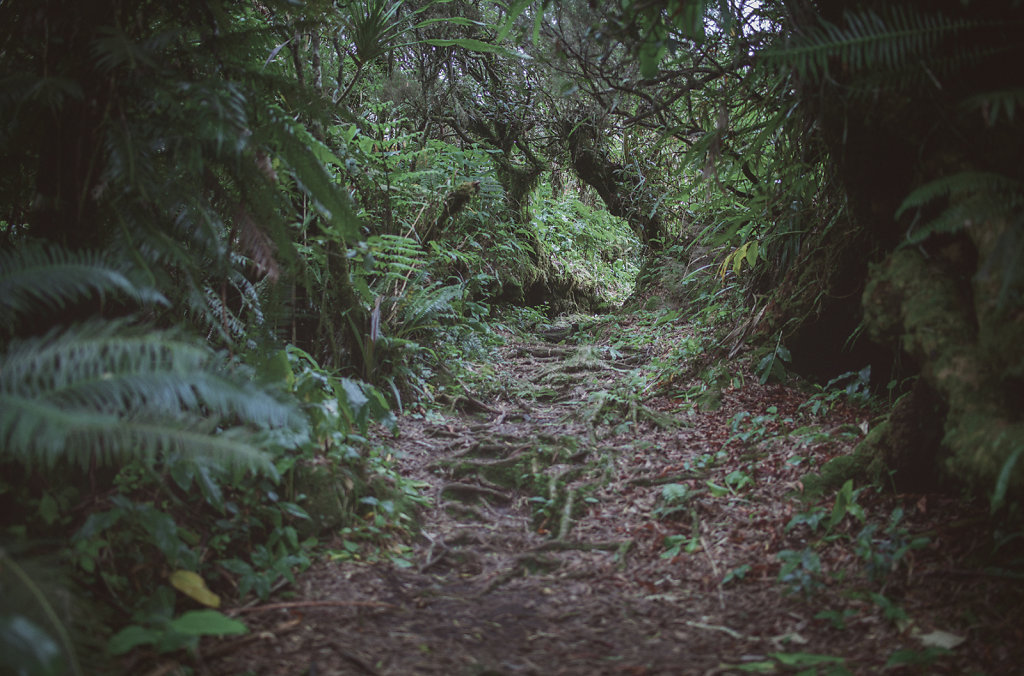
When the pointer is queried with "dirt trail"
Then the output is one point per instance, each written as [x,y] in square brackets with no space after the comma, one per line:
[556,543]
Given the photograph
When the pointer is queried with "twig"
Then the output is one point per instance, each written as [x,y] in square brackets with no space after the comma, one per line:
[714,569]
[475,490]
[312,604]
[717,627]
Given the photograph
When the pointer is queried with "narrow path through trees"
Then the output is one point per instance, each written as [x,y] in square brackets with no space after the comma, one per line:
[576,529]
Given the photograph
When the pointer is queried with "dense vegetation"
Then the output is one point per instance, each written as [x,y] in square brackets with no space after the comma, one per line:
[237,238]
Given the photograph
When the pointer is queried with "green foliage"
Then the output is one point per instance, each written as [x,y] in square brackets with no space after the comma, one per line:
[800,571]
[35,635]
[852,386]
[969,197]
[772,366]
[803,663]
[752,429]
[674,499]
[882,551]
[181,632]
[197,514]
[591,245]
[373,26]
[406,311]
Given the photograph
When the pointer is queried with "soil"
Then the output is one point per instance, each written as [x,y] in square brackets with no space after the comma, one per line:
[589,514]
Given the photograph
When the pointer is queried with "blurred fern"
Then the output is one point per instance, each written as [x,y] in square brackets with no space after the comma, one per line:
[972,196]
[109,391]
[427,308]
[996,105]
[872,42]
[36,274]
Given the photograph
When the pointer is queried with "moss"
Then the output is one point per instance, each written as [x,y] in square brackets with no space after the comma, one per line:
[966,420]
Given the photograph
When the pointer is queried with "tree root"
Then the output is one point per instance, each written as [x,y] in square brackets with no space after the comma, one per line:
[475,491]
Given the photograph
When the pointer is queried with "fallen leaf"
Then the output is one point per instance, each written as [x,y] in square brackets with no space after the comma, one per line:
[940,639]
[193,586]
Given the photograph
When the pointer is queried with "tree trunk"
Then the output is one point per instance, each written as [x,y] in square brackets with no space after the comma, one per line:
[616,186]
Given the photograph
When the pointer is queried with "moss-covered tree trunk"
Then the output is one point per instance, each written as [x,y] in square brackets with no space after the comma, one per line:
[950,302]
[590,158]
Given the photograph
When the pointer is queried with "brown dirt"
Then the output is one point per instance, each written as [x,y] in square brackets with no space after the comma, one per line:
[500,585]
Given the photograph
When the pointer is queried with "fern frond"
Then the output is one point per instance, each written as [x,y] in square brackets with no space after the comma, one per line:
[870,41]
[962,184]
[395,256]
[34,274]
[424,309]
[42,433]
[974,197]
[994,105]
[114,392]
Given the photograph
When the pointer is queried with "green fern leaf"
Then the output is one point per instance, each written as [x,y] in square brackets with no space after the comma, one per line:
[113,392]
[995,105]
[296,146]
[961,184]
[423,309]
[974,197]
[870,41]
[35,274]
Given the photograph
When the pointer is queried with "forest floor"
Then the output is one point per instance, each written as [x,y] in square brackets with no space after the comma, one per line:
[585,520]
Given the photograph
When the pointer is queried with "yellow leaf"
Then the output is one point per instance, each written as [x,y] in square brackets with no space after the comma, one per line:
[193,586]
[752,254]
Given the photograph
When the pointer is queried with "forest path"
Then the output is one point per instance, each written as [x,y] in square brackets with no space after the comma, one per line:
[579,523]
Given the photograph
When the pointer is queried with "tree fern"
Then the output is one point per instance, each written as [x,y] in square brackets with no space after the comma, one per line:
[111,392]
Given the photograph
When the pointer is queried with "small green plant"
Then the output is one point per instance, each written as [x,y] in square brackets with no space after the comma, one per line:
[749,429]
[890,610]
[674,499]
[171,634]
[852,386]
[734,482]
[916,658]
[884,553]
[676,544]
[845,504]
[772,366]
[800,571]
[737,573]
[836,618]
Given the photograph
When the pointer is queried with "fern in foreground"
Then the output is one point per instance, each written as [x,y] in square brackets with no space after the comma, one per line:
[34,274]
[110,392]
